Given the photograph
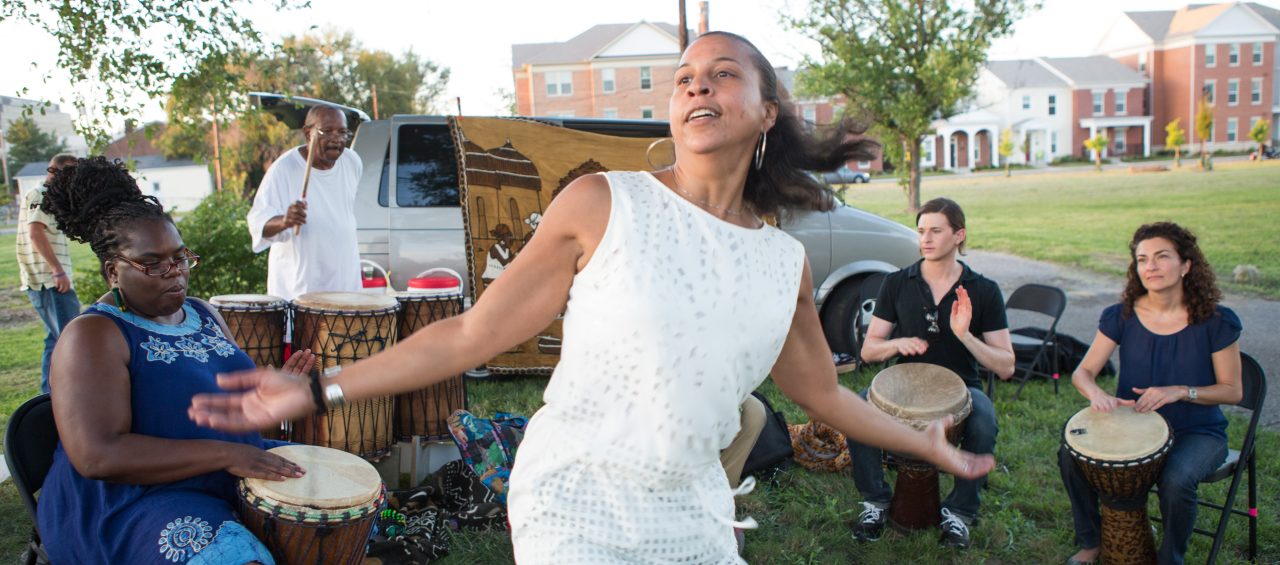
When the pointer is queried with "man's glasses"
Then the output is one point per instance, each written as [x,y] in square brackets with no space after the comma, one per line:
[187,262]
[931,316]
[344,135]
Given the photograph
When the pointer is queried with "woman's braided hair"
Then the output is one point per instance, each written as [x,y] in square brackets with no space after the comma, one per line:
[97,201]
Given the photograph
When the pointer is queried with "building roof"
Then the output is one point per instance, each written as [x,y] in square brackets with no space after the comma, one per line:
[1024,73]
[581,48]
[1161,24]
[135,144]
[1268,13]
[1093,70]
[1191,19]
[35,169]
[1154,24]
[141,164]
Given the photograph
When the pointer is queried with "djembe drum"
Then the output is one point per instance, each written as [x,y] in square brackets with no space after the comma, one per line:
[341,328]
[916,394]
[257,323]
[425,412]
[1121,453]
[322,517]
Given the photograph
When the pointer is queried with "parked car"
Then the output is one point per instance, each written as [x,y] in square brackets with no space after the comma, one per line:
[845,175]
[409,219]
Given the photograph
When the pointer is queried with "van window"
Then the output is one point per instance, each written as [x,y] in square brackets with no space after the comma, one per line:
[426,166]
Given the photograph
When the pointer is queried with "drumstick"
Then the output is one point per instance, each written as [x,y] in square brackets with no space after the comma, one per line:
[306,177]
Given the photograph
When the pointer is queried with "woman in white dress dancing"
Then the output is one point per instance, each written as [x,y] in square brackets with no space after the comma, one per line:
[678,299]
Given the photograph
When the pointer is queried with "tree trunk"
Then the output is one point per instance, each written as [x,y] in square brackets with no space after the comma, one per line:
[1177,157]
[1006,167]
[913,182]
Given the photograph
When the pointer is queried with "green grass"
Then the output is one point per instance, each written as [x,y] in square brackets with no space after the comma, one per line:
[1086,218]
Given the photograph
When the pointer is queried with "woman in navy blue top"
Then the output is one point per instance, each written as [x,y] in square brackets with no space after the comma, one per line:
[1179,357]
[133,479]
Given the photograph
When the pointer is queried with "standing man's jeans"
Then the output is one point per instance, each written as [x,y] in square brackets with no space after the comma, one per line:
[1192,458]
[980,430]
[55,310]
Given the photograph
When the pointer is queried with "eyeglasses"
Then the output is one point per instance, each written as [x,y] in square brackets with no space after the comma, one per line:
[344,135]
[931,316]
[161,268]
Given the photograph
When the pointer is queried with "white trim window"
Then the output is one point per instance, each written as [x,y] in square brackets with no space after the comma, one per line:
[646,112]
[1120,102]
[1233,55]
[1053,143]
[1211,91]
[1053,105]
[559,83]
[926,150]
[1026,101]
[610,114]
[810,113]
[1233,92]
[1256,56]
[1255,90]
[1117,144]
[1210,55]
[646,78]
[1097,103]
[608,81]
[1142,62]
[864,165]
[1232,129]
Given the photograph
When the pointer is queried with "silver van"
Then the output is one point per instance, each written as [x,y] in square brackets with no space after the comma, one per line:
[409,218]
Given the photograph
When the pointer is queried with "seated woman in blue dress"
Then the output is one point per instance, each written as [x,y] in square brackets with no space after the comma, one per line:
[1179,356]
[133,479]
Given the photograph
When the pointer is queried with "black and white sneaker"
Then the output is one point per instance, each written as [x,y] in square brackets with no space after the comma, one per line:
[870,523]
[955,533]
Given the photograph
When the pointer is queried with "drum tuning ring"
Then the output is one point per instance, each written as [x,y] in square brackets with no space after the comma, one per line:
[1079,431]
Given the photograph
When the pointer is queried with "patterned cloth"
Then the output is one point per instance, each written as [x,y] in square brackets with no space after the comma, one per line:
[192,521]
[819,447]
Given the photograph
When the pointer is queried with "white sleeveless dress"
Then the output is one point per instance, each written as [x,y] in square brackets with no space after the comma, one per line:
[677,317]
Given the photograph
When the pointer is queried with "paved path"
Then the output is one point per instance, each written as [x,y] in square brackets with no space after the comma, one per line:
[1089,292]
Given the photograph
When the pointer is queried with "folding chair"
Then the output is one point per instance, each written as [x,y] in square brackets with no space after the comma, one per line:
[1049,301]
[29,443]
[1238,463]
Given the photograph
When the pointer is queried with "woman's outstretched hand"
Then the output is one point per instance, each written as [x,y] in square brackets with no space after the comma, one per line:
[952,460]
[300,363]
[263,397]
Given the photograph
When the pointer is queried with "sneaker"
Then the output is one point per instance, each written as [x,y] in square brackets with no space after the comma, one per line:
[844,362]
[955,533]
[870,523]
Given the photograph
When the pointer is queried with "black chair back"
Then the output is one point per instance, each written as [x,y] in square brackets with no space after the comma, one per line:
[1254,381]
[1040,298]
[29,443]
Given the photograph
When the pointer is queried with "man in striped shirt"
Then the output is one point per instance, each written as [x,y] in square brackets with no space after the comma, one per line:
[44,264]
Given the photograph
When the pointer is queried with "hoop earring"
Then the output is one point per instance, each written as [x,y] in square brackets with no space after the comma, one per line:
[118,297]
[647,152]
[760,149]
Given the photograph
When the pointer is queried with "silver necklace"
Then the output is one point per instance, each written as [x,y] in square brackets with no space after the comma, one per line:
[704,203]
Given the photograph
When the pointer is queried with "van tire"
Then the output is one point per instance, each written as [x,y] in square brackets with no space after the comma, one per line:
[847,313]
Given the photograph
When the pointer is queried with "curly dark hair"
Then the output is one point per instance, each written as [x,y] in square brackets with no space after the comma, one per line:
[1200,292]
[783,180]
[96,201]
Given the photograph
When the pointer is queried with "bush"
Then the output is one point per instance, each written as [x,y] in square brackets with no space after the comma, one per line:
[217,231]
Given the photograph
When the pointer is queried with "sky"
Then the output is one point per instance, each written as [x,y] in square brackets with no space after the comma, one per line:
[473,38]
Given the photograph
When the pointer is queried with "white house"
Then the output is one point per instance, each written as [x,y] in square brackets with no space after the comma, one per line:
[179,184]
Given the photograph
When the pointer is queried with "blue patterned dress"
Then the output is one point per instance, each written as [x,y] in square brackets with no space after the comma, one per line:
[193,521]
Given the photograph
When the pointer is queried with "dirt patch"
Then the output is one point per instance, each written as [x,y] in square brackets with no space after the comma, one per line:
[15,309]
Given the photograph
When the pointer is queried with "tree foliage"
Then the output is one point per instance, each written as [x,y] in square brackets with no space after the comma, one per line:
[329,66]
[1260,133]
[119,54]
[1097,144]
[902,64]
[1204,129]
[1006,148]
[1174,137]
[27,143]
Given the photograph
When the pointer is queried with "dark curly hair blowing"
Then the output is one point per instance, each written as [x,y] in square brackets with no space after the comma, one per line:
[783,180]
[95,201]
[1200,292]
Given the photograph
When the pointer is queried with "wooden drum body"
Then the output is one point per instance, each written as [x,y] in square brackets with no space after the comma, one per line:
[323,517]
[917,394]
[257,323]
[425,412]
[1121,453]
[341,328]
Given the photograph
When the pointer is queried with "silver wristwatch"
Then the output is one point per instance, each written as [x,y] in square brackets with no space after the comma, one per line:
[333,397]
[1192,395]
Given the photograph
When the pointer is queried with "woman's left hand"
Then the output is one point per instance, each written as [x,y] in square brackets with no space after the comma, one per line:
[1153,398]
[947,457]
[300,363]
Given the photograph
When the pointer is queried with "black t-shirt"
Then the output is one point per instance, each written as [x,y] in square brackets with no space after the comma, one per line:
[906,301]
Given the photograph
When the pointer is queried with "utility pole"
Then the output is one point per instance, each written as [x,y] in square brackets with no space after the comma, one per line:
[217,153]
[4,154]
[684,29]
[375,101]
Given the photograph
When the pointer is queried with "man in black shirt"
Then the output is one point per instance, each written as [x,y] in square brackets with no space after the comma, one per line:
[937,311]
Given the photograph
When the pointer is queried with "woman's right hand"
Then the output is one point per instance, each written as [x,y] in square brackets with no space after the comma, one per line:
[250,462]
[951,459]
[268,397]
[1103,402]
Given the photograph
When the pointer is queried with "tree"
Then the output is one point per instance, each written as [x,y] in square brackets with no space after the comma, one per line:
[902,63]
[1096,144]
[1006,148]
[116,50]
[1260,133]
[1174,137]
[1204,129]
[28,143]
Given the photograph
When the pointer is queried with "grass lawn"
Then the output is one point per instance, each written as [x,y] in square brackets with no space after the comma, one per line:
[1085,218]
